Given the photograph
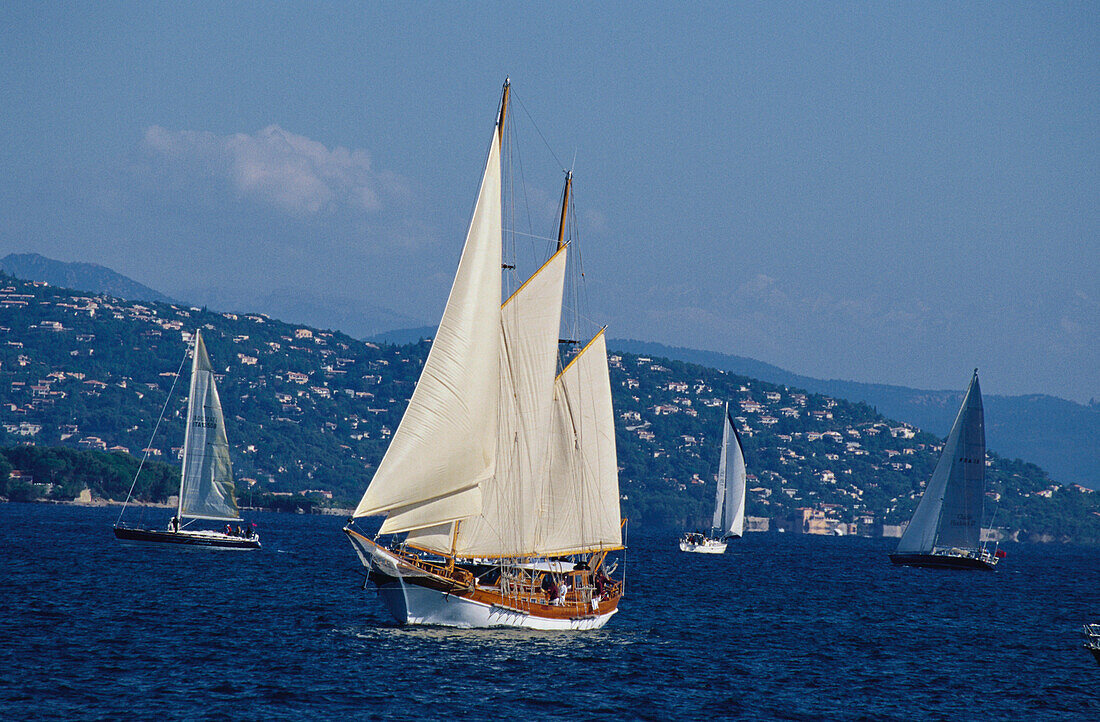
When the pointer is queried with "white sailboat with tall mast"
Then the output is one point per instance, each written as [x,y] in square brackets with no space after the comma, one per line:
[206,491]
[946,528]
[729,500]
[500,486]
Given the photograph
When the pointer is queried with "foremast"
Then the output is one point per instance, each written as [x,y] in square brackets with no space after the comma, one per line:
[564,207]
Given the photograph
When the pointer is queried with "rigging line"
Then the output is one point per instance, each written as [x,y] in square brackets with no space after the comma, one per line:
[153,435]
[515,146]
[537,236]
[582,301]
[991,528]
[537,130]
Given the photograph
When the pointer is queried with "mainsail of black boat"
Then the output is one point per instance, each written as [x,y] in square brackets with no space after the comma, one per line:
[729,501]
[206,480]
[946,528]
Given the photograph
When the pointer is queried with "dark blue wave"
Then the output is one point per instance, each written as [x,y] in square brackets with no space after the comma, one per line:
[780,627]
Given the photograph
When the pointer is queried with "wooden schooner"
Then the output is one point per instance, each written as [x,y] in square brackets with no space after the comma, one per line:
[500,485]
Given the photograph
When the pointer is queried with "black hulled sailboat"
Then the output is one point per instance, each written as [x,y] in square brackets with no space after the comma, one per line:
[946,528]
[206,480]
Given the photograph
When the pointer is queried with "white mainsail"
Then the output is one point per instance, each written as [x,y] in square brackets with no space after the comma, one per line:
[580,504]
[950,510]
[206,480]
[729,503]
[446,443]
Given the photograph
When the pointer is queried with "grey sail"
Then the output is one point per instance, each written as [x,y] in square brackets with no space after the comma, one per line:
[950,510]
[206,484]
[729,502]
[720,497]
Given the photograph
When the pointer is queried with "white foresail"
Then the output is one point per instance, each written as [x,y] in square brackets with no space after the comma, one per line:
[528,356]
[445,445]
[580,504]
[206,481]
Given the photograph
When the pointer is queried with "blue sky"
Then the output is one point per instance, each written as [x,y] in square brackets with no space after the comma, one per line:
[888,192]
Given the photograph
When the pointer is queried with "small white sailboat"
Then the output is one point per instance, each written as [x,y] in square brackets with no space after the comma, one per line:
[945,530]
[500,485]
[1092,640]
[206,491]
[729,501]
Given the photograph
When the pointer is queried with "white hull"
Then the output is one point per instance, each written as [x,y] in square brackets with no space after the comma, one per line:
[709,546]
[412,604]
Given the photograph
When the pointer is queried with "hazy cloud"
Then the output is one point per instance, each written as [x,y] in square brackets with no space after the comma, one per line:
[276,167]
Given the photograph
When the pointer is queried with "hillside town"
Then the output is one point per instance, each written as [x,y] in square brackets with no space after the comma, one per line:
[309,413]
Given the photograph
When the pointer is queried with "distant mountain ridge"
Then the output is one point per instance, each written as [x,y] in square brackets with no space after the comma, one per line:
[402,336]
[1057,434]
[320,308]
[84,276]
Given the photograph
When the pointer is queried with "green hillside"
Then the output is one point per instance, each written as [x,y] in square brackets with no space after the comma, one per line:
[310,410]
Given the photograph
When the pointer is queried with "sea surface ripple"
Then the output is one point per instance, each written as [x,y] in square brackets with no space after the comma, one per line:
[780,627]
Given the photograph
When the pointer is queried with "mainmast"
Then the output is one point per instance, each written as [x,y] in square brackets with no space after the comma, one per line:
[564,207]
[503,108]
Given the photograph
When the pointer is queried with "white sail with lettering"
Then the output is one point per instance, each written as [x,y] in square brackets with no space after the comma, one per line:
[206,484]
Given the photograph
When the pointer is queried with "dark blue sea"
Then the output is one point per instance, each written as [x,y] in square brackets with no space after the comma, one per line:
[781,627]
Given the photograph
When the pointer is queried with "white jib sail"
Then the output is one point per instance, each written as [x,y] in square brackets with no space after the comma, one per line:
[206,480]
[920,535]
[530,320]
[580,506]
[445,445]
